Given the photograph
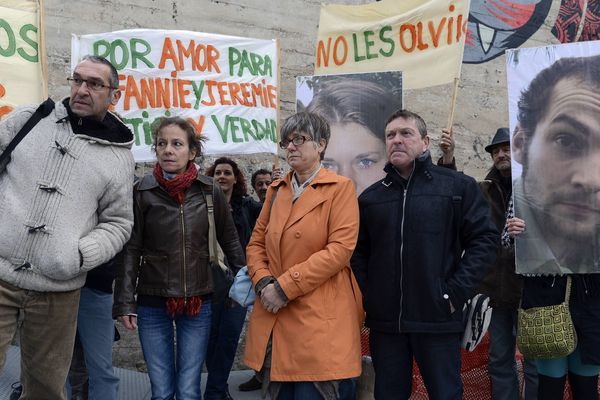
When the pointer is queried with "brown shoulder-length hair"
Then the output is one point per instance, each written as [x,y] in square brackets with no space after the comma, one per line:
[239,188]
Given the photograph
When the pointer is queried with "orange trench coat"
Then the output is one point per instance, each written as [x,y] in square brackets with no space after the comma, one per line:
[307,247]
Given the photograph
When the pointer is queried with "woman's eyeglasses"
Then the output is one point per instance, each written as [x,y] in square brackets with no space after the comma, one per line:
[296,140]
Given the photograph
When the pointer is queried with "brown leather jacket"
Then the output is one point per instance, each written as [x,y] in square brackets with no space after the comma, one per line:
[167,254]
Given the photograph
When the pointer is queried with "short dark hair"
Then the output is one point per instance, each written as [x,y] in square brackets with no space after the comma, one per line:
[113,77]
[195,141]
[534,100]
[362,102]
[406,114]
[310,123]
[239,188]
[261,171]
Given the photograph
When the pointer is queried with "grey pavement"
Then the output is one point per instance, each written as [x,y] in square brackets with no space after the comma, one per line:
[133,386]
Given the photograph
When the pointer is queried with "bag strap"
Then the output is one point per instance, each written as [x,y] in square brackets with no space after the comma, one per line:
[568,289]
[42,111]
[567,293]
[215,252]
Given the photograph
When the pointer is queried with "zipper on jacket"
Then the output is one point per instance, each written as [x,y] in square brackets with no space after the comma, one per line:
[402,241]
[183,253]
[401,254]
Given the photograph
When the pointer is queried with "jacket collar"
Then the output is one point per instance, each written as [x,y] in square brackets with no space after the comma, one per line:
[421,164]
[503,184]
[494,175]
[324,176]
[110,131]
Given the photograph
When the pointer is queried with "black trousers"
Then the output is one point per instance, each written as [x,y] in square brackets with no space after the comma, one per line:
[436,354]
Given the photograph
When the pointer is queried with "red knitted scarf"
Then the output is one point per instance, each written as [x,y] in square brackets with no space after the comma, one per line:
[176,188]
[180,305]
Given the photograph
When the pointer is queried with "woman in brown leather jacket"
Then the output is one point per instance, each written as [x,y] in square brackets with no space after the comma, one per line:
[166,262]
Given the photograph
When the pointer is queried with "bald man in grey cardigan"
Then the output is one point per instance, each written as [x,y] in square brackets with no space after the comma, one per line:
[65,208]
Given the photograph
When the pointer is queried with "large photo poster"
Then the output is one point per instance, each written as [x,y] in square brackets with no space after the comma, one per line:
[356,107]
[225,86]
[554,109]
[21,77]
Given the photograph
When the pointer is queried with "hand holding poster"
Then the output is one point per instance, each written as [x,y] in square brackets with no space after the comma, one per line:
[554,108]
[423,39]
[226,87]
[21,77]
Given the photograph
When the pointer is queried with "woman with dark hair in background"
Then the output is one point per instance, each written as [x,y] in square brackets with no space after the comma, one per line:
[228,317]
[356,111]
[166,262]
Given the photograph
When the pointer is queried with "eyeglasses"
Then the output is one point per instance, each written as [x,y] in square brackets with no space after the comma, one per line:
[296,140]
[91,84]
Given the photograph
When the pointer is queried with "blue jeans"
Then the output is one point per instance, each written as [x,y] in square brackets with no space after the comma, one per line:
[299,391]
[436,354]
[227,324]
[502,366]
[174,373]
[96,331]
[308,391]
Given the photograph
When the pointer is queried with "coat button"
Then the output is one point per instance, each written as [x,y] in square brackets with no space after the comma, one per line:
[297,234]
[296,274]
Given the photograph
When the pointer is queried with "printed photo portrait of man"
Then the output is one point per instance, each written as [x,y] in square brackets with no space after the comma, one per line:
[556,143]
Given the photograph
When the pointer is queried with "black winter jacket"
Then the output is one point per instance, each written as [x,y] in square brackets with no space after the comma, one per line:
[501,283]
[409,258]
[244,211]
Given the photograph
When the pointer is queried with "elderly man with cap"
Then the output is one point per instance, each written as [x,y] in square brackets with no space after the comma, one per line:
[502,284]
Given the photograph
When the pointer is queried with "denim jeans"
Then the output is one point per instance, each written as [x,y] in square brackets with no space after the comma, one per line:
[436,354]
[47,335]
[308,391]
[174,372]
[298,391]
[96,332]
[502,366]
[227,324]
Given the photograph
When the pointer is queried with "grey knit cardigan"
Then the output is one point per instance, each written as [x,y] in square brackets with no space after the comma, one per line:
[65,202]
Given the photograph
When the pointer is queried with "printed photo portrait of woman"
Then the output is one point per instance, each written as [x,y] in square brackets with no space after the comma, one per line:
[356,107]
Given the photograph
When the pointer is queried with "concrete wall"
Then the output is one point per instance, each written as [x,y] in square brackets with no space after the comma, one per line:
[481,106]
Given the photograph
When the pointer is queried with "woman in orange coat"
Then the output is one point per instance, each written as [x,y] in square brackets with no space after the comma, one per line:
[304,332]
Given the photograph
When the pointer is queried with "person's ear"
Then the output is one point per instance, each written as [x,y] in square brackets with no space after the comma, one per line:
[192,154]
[115,96]
[517,145]
[321,146]
[425,143]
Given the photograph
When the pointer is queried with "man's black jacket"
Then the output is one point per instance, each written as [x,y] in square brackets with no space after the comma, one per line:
[501,283]
[422,243]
